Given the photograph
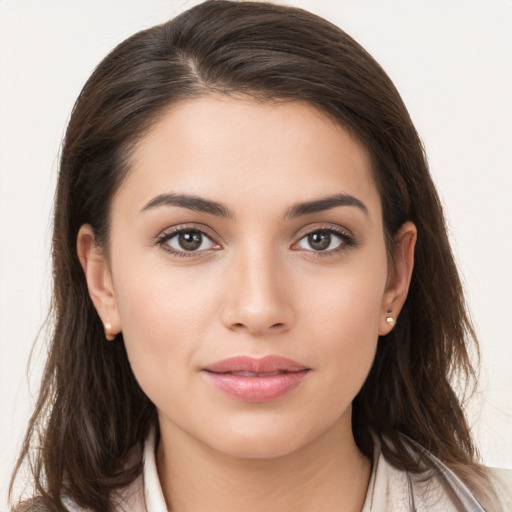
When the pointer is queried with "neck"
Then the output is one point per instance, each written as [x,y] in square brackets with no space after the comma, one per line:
[329,473]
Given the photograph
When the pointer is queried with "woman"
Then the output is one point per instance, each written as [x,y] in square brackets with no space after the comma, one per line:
[245,213]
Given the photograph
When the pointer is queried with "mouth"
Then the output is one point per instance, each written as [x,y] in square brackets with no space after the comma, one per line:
[254,374]
[256,380]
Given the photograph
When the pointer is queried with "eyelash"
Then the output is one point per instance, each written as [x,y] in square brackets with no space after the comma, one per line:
[347,240]
[169,234]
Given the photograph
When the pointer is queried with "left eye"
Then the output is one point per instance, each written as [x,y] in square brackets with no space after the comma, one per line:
[190,240]
[321,240]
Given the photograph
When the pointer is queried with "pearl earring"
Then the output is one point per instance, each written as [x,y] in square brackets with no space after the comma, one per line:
[389,320]
[108,332]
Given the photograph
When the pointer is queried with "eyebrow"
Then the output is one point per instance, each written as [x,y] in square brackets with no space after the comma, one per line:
[326,203]
[190,202]
[196,203]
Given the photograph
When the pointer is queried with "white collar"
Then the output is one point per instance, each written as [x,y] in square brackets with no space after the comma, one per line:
[389,488]
[153,494]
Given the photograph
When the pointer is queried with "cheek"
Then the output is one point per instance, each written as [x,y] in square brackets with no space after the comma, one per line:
[347,301]
[344,320]
[164,317]
[159,299]
[349,335]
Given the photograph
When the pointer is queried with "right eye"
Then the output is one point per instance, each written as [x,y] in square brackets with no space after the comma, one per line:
[186,242]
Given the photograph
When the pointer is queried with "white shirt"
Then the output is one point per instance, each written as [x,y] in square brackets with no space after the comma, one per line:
[389,490]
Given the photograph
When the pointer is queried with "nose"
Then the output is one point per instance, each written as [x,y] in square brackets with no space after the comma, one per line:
[258,296]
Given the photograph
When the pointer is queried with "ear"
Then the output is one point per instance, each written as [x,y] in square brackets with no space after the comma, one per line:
[99,280]
[399,277]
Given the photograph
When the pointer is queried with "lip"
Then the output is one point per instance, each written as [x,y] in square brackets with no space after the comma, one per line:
[256,379]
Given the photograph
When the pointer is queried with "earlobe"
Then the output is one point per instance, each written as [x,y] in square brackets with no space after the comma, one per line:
[99,280]
[399,277]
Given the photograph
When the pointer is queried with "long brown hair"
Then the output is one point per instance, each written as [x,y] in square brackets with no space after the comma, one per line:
[91,415]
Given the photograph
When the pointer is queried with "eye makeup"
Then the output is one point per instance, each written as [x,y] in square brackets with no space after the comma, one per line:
[187,240]
[325,240]
[196,240]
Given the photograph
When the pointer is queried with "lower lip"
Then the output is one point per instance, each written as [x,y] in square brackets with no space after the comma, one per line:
[257,389]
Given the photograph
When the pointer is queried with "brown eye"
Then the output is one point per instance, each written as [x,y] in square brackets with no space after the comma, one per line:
[190,240]
[324,240]
[319,240]
[187,241]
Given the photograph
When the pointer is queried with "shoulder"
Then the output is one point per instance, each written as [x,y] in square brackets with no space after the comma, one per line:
[141,495]
[129,499]
[39,504]
[435,488]
[502,477]
[501,480]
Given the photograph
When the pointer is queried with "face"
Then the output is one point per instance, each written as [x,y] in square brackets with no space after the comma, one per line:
[248,273]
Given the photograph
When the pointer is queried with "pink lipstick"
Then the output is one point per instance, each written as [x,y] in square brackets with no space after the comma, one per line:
[256,380]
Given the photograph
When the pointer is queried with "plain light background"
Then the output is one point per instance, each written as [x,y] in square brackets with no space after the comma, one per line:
[450,60]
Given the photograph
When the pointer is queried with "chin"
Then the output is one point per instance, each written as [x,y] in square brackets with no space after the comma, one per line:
[262,439]
[261,447]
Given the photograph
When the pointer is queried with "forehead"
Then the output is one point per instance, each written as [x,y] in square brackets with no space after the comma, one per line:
[236,148]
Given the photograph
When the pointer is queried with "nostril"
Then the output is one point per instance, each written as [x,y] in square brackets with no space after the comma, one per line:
[241,325]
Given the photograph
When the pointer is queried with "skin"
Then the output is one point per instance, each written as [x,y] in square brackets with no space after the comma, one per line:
[256,286]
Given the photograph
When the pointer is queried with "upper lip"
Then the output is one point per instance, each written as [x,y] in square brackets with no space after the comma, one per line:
[267,364]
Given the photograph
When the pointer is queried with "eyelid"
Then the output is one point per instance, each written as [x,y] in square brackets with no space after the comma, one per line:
[344,234]
[348,239]
[172,231]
